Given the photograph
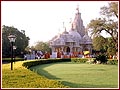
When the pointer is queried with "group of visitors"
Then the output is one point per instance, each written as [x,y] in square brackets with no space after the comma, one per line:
[46,55]
[38,55]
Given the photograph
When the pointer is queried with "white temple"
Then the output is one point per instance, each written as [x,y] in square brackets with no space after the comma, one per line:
[75,40]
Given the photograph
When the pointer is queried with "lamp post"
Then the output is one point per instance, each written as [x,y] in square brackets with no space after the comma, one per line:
[14,48]
[30,53]
[12,40]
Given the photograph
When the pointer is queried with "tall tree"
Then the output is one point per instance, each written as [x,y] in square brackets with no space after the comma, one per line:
[108,22]
[21,41]
[104,44]
[111,50]
[111,10]
[99,43]
[43,46]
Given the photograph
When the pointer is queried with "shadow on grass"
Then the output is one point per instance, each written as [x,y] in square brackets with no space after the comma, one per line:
[43,72]
[74,85]
[40,70]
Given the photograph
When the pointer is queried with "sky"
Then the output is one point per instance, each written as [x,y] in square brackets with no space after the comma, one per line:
[42,20]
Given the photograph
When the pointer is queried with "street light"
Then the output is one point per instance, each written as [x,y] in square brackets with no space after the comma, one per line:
[12,40]
[14,48]
[30,53]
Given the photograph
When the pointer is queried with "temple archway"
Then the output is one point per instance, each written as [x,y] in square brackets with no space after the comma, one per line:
[68,50]
[86,49]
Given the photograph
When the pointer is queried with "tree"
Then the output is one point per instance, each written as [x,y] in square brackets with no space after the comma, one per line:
[104,45]
[111,10]
[21,41]
[99,43]
[108,22]
[42,46]
[111,50]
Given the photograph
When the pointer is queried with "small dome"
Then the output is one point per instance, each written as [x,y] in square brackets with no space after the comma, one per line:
[75,34]
[59,41]
[62,42]
[86,38]
[69,38]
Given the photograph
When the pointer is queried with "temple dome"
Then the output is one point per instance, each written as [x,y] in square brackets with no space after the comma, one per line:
[86,37]
[69,38]
[62,42]
[59,41]
[75,34]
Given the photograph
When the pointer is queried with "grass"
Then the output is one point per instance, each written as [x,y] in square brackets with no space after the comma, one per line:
[21,77]
[81,75]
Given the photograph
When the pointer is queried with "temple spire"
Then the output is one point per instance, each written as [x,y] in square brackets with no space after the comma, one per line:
[70,20]
[86,32]
[63,25]
[64,28]
[72,28]
[72,25]
[77,8]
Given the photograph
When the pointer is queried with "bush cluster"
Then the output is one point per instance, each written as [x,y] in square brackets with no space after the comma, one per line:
[112,61]
[79,60]
[101,58]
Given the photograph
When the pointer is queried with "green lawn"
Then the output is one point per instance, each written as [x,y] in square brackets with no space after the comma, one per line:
[81,75]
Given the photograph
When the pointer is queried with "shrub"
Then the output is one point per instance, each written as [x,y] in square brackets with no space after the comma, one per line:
[112,61]
[91,60]
[101,58]
[79,60]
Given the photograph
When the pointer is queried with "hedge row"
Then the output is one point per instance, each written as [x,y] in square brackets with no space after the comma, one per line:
[91,60]
[9,59]
[43,61]
[112,61]
[79,60]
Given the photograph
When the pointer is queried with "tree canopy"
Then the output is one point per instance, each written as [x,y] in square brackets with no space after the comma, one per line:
[21,41]
[108,22]
[39,46]
[43,46]
[99,42]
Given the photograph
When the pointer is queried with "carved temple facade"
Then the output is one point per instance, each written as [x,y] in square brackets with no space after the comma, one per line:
[76,40]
